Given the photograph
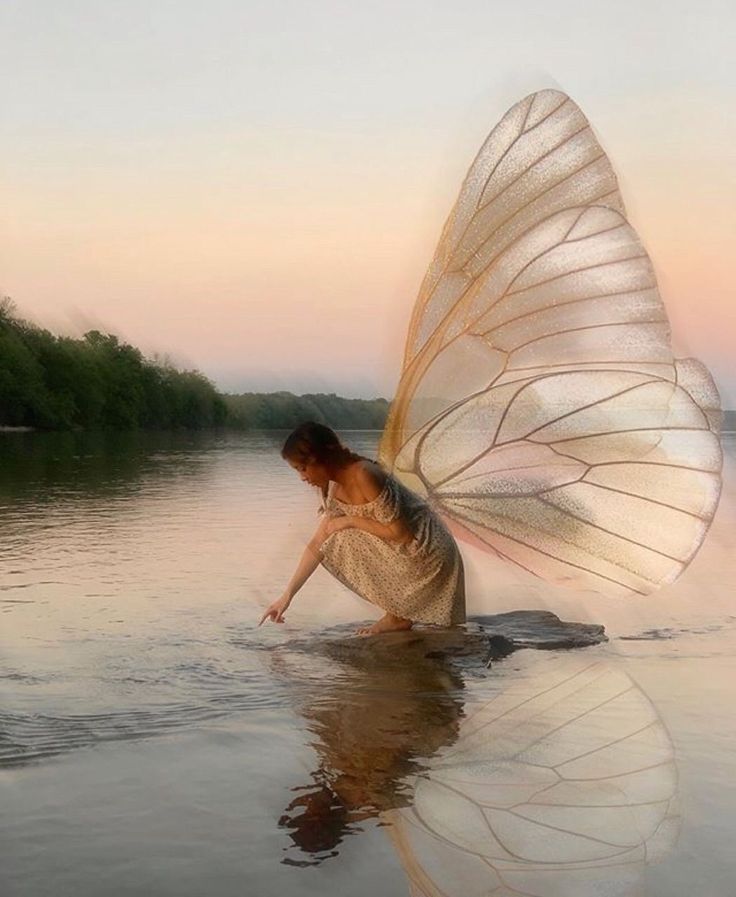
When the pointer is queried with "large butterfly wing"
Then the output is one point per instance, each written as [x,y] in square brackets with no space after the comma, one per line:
[540,408]
[541,157]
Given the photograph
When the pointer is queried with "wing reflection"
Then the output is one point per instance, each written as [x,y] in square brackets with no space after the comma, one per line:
[563,785]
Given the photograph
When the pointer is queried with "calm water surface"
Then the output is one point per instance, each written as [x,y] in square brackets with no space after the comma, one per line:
[154,740]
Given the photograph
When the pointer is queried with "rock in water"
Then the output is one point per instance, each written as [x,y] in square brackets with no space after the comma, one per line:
[541,629]
[481,640]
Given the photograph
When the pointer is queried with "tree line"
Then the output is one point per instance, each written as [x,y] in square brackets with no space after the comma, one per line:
[284,410]
[54,382]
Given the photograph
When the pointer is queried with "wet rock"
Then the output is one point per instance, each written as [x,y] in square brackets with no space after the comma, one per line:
[541,629]
[481,640]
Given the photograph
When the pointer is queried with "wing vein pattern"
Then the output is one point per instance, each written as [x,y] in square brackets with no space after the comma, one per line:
[540,408]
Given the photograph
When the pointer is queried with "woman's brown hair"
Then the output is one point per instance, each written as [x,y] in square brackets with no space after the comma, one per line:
[312,441]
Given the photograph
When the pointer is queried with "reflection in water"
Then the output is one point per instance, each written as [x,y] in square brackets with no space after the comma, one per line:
[379,711]
[564,785]
[129,571]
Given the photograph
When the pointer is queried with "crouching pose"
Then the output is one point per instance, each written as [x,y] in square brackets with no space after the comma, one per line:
[379,538]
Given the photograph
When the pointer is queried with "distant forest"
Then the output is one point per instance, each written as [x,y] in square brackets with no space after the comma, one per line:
[284,410]
[53,382]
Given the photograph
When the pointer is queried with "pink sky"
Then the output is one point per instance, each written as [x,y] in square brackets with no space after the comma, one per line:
[260,199]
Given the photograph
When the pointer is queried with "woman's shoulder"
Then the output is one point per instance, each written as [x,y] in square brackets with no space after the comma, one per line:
[371,478]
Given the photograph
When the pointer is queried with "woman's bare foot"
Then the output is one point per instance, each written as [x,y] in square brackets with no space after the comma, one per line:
[387,623]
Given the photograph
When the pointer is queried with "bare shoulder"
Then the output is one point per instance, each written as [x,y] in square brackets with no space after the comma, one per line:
[370,478]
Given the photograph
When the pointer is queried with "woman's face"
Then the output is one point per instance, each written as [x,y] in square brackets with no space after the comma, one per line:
[311,472]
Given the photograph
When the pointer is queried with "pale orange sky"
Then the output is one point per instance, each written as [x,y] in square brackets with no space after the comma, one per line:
[256,189]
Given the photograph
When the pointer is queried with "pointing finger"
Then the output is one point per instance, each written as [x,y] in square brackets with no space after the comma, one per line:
[268,612]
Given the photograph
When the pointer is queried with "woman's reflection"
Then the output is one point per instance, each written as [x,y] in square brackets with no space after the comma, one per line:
[551,778]
[380,712]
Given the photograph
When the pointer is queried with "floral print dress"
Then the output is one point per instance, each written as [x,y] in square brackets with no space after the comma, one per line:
[422,580]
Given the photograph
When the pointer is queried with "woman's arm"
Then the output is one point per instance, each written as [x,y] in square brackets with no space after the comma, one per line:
[309,560]
[308,563]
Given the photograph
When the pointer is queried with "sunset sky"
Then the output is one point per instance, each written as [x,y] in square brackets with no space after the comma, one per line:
[255,189]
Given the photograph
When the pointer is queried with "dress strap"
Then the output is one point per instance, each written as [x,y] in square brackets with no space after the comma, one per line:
[325,501]
[322,502]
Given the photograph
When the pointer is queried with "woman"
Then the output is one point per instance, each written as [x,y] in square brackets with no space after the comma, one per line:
[379,538]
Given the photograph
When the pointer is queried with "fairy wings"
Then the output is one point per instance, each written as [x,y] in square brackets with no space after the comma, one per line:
[540,408]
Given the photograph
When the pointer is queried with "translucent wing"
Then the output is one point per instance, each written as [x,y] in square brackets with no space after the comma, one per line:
[563,785]
[540,408]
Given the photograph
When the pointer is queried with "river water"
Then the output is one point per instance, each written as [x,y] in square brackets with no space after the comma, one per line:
[155,741]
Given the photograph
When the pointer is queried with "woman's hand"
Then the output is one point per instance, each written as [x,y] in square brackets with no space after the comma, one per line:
[335,524]
[275,611]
